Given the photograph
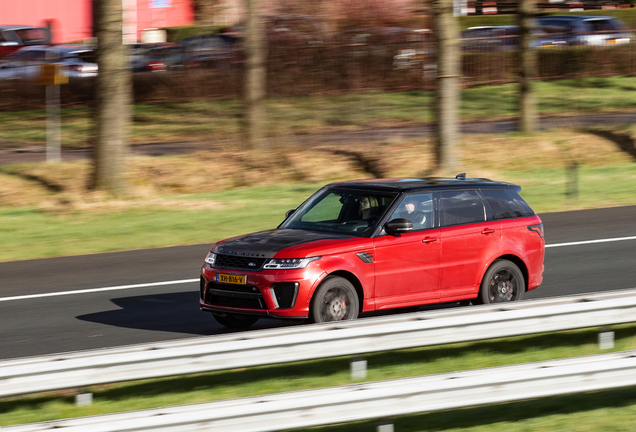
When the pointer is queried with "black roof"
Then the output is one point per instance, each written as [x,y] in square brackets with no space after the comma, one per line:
[415,184]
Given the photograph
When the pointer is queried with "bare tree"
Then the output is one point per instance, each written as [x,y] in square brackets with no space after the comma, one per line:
[448,79]
[528,65]
[255,78]
[113,94]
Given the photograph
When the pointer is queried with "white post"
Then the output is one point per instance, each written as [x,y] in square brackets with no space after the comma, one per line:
[53,128]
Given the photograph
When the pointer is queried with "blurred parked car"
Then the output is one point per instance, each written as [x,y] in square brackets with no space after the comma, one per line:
[167,57]
[78,61]
[592,30]
[156,57]
[503,38]
[404,47]
[15,37]
[211,50]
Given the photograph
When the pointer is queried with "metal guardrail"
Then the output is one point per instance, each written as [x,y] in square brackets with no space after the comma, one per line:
[370,400]
[256,348]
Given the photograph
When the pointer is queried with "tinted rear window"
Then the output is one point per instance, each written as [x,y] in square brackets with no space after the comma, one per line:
[523,205]
[462,207]
[502,204]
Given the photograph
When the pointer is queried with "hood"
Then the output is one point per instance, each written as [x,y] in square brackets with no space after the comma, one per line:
[265,244]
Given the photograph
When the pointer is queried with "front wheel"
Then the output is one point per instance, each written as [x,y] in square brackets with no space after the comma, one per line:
[503,282]
[235,321]
[334,300]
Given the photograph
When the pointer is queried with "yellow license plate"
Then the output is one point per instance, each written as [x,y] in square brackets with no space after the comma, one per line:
[231,279]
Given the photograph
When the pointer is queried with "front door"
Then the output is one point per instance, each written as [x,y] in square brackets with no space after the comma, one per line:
[407,267]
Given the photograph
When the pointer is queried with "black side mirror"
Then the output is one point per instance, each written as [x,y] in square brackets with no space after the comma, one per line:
[398,226]
[288,213]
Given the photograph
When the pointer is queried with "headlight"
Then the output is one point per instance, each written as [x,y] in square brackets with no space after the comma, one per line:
[289,263]
[211,258]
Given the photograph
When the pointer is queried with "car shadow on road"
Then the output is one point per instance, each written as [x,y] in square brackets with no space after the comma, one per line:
[173,312]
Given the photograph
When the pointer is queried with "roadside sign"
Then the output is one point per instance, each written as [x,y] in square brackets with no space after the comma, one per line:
[52,74]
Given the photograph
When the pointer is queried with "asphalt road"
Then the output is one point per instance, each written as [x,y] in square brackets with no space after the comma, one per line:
[78,314]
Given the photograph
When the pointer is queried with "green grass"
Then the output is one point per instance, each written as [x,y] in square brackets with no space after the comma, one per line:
[83,232]
[333,372]
[219,121]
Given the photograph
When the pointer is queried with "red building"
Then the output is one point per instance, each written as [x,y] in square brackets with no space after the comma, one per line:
[72,20]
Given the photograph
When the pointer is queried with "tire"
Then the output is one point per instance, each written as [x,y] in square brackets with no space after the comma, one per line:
[334,300]
[503,282]
[235,321]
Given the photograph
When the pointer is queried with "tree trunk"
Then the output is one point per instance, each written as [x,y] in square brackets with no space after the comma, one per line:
[528,66]
[447,94]
[112,104]
[254,130]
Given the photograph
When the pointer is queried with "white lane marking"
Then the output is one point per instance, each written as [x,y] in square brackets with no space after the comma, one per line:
[609,240]
[125,287]
[94,290]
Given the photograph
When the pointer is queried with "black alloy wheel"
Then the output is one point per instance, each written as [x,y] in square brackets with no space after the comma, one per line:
[503,282]
[335,300]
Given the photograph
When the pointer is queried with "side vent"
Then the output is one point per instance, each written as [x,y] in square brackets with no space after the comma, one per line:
[366,257]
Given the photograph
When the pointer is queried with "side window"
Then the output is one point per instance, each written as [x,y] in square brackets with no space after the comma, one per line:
[462,207]
[502,204]
[418,208]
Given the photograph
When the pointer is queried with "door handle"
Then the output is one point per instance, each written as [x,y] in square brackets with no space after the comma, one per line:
[428,239]
[488,231]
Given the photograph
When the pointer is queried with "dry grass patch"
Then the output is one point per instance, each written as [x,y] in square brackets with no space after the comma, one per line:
[60,187]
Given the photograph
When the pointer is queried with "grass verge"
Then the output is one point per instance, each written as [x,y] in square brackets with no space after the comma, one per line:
[381,366]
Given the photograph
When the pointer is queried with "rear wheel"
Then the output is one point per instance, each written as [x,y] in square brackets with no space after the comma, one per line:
[503,282]
[235,321]
[335,300]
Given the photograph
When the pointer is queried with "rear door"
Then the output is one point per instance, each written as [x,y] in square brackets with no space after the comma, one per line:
[470,238]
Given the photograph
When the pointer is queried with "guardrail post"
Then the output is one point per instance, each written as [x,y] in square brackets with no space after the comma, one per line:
[358,368]
[384,426]
[606,340]
[83,399]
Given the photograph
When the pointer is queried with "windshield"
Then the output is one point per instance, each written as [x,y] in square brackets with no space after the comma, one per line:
[348,211]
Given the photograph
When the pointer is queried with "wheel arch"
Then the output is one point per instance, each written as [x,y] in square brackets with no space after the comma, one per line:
[518,262]
[357,285]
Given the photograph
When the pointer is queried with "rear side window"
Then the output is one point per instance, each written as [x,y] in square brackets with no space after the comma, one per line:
[502,204]
[523,205]
[506,203]
[462,207]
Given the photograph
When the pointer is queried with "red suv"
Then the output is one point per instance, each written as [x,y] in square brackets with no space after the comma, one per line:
[362,246]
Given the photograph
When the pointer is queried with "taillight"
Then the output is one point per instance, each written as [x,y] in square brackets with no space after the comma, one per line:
[76,68]
[537,228]
[156,66]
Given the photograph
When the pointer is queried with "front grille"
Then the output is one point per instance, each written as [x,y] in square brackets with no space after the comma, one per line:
[232,287]
[238,296]
[239,262]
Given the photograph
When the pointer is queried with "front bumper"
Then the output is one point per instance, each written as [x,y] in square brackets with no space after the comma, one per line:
[266,293]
